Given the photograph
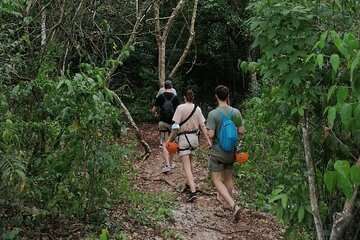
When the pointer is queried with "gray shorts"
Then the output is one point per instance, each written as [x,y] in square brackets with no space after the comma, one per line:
[217,166]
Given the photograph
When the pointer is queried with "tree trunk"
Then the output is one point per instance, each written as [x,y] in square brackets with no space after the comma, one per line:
[161,37]
[342,219]
[311,179]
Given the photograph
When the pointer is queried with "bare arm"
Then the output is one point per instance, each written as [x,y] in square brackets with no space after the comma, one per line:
[206,134]
[172,135]
[211,134]
[241,130]
[154,111]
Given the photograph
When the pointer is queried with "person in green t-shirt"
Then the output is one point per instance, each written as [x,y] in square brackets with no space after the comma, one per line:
[221,162]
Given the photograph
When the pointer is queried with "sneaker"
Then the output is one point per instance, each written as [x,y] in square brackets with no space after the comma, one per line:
[186,189]
[236,213]
[191,197]
[172,165]
[166,169]
[160,146]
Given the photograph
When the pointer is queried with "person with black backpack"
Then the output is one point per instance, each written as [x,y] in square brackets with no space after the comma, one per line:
[224,124]
[161,91]
[167,103]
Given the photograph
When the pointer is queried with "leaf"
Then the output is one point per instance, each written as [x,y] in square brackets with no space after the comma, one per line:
[357,117]
[331,116]
[355,174]
[279,213]
[330,180]
[284,201]
[343,177]
[276,197]
[293,111]
[342,94]
[345,115]
[301,213]
[322,40]
[340,46]
[309,57]
[342,167]
[277,191]
[345,186]
[301,111]
[330,92]
[296,80]
[355,82]
[320,60]
[335,61]
[21,174]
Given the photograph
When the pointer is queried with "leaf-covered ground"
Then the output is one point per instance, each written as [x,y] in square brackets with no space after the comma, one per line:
[198,220]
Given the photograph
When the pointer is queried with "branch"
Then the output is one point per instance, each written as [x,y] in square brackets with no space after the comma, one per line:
[171,20]
[311,179]
[189,42]
[61,18]
[130,41]
[342,219]
[120,103]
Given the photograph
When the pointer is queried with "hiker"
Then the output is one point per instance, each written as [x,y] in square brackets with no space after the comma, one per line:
[188,121]
[167,103]
[221,161]
[161,91]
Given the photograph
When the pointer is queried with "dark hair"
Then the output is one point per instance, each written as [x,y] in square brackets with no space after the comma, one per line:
[168,84]
[189,95]
[222,92]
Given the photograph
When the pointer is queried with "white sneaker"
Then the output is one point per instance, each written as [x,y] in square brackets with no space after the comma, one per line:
[160,146]
[166,169]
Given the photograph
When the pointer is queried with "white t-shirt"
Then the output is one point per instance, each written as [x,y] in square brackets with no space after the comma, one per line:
[162,90]
[183,111]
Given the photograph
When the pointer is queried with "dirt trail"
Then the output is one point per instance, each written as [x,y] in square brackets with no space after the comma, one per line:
[198,220]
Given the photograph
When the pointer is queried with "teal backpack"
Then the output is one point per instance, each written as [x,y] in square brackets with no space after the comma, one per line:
[228,135]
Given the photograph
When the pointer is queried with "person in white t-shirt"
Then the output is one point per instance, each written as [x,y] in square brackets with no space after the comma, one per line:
[185,131]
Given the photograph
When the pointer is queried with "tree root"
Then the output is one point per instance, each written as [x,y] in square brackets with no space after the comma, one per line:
[244,229]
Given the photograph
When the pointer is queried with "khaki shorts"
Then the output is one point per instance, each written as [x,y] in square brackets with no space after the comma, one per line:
[217,166]
[184,143]
[165,130]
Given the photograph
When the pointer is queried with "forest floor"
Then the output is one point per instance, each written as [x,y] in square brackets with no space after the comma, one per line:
[200,219]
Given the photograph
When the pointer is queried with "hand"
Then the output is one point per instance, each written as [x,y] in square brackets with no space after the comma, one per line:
[209,143]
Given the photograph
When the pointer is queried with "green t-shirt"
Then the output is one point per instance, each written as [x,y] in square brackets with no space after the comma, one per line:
[213,122]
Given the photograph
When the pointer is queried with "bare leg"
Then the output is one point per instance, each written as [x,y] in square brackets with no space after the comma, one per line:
[165,151]
[228,181]
[188,173]
[221,188]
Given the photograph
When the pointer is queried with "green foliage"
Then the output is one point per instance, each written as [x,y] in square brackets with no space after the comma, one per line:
[345,178]
[305,72]
[10,235]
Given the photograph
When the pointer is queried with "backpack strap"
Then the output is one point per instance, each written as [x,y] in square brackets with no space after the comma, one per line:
[222,116]
[192,113]
[172,97]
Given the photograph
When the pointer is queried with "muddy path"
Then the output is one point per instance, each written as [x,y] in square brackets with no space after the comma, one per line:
[203,218]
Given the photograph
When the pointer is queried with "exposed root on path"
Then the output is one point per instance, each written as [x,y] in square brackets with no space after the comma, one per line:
[244,229]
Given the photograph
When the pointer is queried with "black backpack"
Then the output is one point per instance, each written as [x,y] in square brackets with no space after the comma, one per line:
[167,109]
